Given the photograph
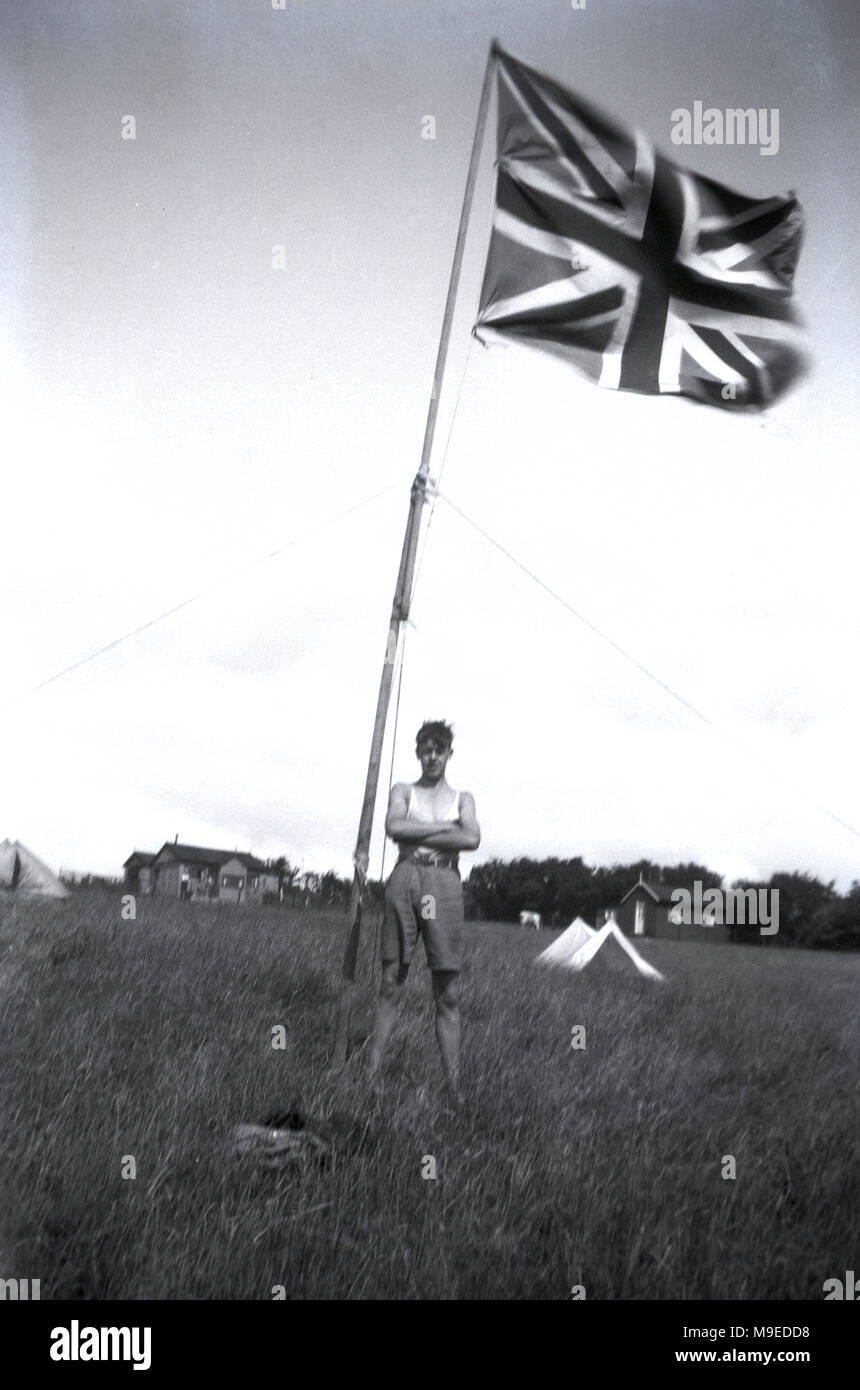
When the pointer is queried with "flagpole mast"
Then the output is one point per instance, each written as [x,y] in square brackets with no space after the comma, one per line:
[403,588]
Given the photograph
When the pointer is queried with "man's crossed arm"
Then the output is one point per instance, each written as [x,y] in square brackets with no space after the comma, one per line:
[461,834]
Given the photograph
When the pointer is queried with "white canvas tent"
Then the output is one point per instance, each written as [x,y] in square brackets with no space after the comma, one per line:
[576,957]
[567,945]
[22,873]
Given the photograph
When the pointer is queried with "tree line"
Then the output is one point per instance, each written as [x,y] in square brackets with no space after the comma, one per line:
[811,913]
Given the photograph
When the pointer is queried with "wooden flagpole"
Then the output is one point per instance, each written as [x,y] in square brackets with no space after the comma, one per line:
[403,590]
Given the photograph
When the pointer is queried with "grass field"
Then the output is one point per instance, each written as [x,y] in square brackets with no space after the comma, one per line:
[599,1167]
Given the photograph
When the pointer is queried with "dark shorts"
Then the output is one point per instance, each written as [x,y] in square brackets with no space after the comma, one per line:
[427,901]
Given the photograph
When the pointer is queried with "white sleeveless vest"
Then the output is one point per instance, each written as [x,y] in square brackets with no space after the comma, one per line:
[419,809]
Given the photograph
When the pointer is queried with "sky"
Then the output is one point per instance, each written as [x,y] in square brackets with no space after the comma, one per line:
[217,342]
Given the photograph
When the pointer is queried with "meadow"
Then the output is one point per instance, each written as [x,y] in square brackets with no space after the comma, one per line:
[600,1167]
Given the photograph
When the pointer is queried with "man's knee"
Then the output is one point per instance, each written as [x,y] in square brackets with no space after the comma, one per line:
[392,981]
[446,992]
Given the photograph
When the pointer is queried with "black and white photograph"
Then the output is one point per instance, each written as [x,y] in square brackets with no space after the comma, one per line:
[430,797]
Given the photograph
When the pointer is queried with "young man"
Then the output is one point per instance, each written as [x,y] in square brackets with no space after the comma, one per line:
[431,824]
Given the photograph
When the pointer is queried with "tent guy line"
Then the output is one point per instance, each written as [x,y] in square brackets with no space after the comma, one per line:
[216,584]
[634,661]
[592,627]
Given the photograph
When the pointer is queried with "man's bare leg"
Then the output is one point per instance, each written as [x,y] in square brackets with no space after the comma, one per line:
[446,994]
[390,987]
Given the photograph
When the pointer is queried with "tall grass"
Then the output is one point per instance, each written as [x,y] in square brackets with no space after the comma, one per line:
[601,1167]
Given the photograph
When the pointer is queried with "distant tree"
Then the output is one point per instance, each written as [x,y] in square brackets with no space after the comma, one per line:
[375,891]
[288,876]
[489,891]
[611,883]
[836,925]
[747,933]
[570,891]
[326,890]
[477,892]
[332,890]
[810,912]
[309,883]
[685,875]
[561,889]
[801,898]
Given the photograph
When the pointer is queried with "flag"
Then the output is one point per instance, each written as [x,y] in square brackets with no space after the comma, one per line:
[643,275]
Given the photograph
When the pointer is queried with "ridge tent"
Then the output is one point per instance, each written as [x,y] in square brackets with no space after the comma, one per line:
[580,957]
[22,873]
[567,945]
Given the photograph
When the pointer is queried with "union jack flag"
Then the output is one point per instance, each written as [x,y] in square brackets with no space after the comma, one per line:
[643,275]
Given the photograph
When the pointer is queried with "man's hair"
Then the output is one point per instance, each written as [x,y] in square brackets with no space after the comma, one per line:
[438,729]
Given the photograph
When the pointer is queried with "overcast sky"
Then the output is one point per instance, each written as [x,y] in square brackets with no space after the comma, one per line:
[176,407]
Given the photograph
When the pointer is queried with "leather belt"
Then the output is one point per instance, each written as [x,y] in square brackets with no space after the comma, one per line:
[437,858]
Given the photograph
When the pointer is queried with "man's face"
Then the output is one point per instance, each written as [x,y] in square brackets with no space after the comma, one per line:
[433,756]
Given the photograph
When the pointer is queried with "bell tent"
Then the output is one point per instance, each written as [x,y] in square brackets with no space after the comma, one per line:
[23,874]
